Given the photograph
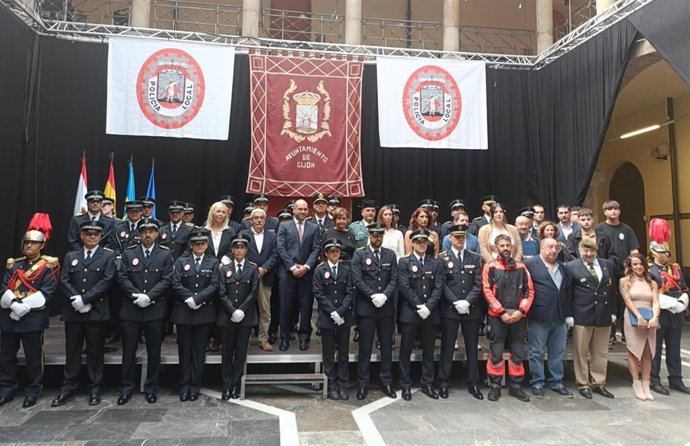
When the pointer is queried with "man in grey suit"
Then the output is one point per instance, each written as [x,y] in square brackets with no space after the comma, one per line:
[298,248]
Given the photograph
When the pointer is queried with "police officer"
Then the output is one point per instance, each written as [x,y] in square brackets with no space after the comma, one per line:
[195,287]
[421,286]
[462,305]
[87,276]
[375,277]
[396,218]
[189,213]
[94,203]
[333,202]
[321,216]
[238,282]
[333,292]
[27,286]
[261,201]
[126,231]
[174,234]
[144,277]
[229,202]
[148,206]
[359,228]
[485,218]
[455,207]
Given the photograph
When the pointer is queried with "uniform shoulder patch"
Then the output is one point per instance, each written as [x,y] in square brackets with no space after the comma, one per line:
[252,263]
[362,248]
[164,247]
[107,249]
[52,261]
[133,247]
[11,261]
[191,225]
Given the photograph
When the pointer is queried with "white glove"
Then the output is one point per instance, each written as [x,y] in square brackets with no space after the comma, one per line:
[142,300]
[85,309]
[7,298]
[20,310]
[613,318]
[684,298]
[77,302]
[569,322]
[237,316]
[340,322]
[336,317]
[378,299]
[423,311]
[191,304]
[462,306]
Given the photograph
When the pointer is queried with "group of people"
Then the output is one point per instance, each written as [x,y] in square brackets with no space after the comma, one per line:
[529,283]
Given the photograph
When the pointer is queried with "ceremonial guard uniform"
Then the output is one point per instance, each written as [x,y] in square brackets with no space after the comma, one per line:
[464,305]
[238,282]
[145,278]
[195,285]
[421,286]
[87,276]
[359,228]
[333,292]
[175,233]
[374,272]
[94,200]
[27,286]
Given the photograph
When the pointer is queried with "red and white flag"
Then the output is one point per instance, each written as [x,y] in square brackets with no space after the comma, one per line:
[82,186]
[431,103]
[169,88]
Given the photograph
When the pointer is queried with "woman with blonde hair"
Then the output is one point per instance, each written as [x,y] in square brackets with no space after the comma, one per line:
[498,225]
[392,238]
[421,218]
[219,232]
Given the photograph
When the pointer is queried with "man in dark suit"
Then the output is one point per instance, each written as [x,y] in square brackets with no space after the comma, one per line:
[590,311]
[421,287]
[546,326]
[174,233]
[298,247]
[87,276]
[485,218]
[145,276]
[94,203]
[262,252]
[462,305]
[374,272]
[195,286]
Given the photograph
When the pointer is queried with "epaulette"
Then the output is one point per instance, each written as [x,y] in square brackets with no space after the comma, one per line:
[362,248]
[252,263]
[163,247]
[443,253]
[190,224]
[107,249]
[133,246]
[11,261]
[320,264]
[52,261]
[477,218]
[449,223]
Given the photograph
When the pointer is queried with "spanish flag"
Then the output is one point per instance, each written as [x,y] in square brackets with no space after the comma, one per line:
[109,189]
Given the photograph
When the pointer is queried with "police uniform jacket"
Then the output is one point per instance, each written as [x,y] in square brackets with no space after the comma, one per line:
[238,292]
[177,242]
[590,301]
[123,238]
[271,224]
[370,276]
[671,282]
[151,277]
[333,294]
[74,240]
[463,281]
[420,285]
[476,224]
[202,285]
[39,276]
[91,279]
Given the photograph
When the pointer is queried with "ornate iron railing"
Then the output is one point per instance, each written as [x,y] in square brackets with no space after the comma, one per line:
[576,17]
[305,26]
[107,12]
[402,33]
[185,15]
[496,40]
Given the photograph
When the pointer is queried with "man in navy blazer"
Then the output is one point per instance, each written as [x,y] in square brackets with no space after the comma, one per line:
[547,327]
[262,251]
[298,247]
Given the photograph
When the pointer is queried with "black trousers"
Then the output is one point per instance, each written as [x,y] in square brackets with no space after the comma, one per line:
[409,333]
[275,309]
[295,293]
[383,328]
[330,339]
[32,342]
[235,343]
[153,331]
[115,304]
[671,336]
[93,332]
[514,335]
[191,348]
[449,334]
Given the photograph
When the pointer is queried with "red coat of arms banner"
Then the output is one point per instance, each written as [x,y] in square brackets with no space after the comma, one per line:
[305,126]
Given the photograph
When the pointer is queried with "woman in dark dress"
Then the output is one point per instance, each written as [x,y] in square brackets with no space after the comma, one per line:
[345,237]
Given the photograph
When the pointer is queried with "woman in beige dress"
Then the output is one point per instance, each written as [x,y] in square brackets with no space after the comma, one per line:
[639,291]
[488,233]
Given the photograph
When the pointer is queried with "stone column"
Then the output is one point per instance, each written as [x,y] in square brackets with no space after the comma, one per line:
[353,22]
[141,13]
[451,25]
[544,24]
[251,14]
[603,5]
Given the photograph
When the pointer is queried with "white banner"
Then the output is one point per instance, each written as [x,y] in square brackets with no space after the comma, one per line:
[169,88]
[432,103]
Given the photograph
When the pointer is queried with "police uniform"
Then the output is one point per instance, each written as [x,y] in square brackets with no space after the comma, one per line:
[74,241]
[421,288]
[87,277]
[145,282]
[359,228]
[174,235]
[333,291]
[375,278]
[150,202]
[453,206]
[195,287]
[126,233]
[271,223]
[482,220]
[237,315]
[27,287]
[325,222]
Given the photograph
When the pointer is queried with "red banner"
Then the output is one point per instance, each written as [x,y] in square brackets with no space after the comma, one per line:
[305,127]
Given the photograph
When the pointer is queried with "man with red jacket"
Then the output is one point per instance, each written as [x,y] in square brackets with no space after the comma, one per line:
[509,292]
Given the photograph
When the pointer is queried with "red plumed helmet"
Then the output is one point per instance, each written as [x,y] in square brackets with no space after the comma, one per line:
[659,231]
[40,223]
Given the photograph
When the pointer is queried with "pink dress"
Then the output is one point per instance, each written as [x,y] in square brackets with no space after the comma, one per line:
[635,337]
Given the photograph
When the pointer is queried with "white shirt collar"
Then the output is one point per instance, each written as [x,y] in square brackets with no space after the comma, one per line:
[93,250]
[201,257]
[94,217]
[331,265]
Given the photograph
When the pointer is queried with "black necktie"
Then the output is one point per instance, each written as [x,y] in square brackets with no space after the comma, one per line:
[320,224]
[197,263]
[174,229]
[376,254]
[335,272]
[421,261]
[460,256]
[88,255]
[147,253]
[239,269]
[93,218]
[131,227]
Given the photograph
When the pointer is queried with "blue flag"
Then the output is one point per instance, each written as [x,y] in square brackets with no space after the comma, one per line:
[151,191]
[131,193]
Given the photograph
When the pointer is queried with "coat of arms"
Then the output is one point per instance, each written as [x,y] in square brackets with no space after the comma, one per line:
[306,124]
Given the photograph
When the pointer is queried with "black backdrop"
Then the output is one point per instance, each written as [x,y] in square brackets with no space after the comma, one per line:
[545,130]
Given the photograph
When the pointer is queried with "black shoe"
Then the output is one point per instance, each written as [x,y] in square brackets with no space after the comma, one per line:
[61,400]
[184,397]
[476,392]
[603,392]
[124,399]
[5,399]
[284,345]
[235,394]
[304,345]
[430,392]
[388,391]
[658,388]
[94,399]
[272,338]
[344,394]
[406,394]
[586,393]
[562,391]
[678,388]
[494,393]
[193,396]
[333,394]
[443,392]
[151,398]
[29,401]
[226,395]
[519,394]
[362,393]
[538,392]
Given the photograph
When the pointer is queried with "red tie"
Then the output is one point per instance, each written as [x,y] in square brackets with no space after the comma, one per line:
[299,231]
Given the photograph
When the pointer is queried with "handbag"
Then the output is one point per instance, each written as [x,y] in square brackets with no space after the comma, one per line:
[646,314]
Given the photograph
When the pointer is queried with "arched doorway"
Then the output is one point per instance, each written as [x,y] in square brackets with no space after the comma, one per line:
[627,187]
